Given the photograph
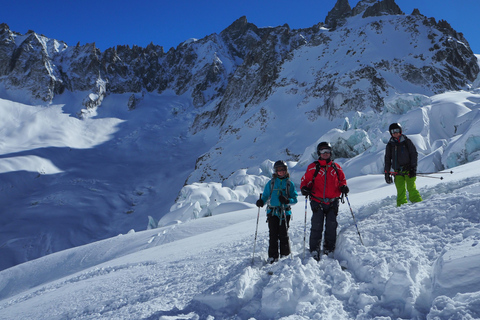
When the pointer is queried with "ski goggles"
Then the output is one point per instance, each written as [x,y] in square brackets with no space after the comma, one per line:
[395,131]
[281,169]
[325,151]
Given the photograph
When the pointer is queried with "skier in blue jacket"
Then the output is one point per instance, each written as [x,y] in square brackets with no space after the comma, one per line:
[279,193]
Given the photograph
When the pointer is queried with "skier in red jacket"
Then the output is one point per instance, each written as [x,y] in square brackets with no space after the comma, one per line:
[324,182]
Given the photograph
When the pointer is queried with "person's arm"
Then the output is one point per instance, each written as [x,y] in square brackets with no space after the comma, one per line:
[388,158]
[412,152]
[293,193]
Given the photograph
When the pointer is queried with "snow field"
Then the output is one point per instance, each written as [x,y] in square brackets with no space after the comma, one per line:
[418,262]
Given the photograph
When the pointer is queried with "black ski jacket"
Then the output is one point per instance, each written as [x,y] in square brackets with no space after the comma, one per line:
[400,155]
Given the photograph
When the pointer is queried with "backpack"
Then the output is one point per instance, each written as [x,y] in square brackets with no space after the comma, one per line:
[272,184]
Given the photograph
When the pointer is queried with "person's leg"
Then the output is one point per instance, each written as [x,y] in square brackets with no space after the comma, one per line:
[316,229]
[284,239]
[413,193]
[401,190]
[273,230]
[330,228]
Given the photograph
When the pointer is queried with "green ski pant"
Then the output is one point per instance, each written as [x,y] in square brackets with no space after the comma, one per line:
[404,183]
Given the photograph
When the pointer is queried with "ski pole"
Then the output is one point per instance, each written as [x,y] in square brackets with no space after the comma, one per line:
[305,227]
[286,227]
[256,230]
[451,172]
[425,176]
[354,220]
[393,173]
[283,213]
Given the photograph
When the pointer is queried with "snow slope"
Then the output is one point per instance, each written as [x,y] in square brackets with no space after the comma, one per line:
[420,261]
[66,181]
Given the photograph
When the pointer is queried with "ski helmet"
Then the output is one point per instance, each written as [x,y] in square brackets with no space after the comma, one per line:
[280,164]
[323,145]
[394,127]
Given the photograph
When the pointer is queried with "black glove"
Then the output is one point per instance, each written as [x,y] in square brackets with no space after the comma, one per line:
[306,191]
[388,178]
[259,203]
[413,172]
[283,199]
[344,190]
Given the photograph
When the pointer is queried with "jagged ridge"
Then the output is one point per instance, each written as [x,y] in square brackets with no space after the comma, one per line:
[220,67]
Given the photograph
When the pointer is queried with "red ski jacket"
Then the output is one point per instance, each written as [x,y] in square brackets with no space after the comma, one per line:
[327,183]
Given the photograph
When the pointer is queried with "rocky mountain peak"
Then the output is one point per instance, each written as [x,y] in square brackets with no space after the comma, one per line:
[239,26]
[368,8]
[416,12]
[382,8]
[4,27]
[337,15]
[362,6]
[230,72]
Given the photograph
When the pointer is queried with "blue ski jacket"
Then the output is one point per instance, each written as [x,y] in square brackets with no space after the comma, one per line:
[273,189]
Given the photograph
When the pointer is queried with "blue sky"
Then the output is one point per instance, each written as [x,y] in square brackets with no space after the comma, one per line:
[168,23]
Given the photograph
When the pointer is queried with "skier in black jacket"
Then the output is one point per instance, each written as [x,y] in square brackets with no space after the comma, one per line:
[401,156]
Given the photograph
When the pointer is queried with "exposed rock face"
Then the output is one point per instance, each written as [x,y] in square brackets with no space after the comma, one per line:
[252,80]
[338,15]
[382,8]
[29,65]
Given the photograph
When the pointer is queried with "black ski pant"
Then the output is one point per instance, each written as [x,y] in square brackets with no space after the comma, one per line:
[323,214]
[278,231]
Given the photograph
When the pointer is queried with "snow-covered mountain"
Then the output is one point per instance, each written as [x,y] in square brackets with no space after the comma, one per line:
[95,144]
[360,57]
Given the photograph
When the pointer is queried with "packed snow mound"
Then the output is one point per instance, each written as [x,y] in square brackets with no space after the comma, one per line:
[199,200]
[452,270]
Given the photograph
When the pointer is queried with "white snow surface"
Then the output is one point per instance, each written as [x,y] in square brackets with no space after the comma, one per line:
[418,261]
